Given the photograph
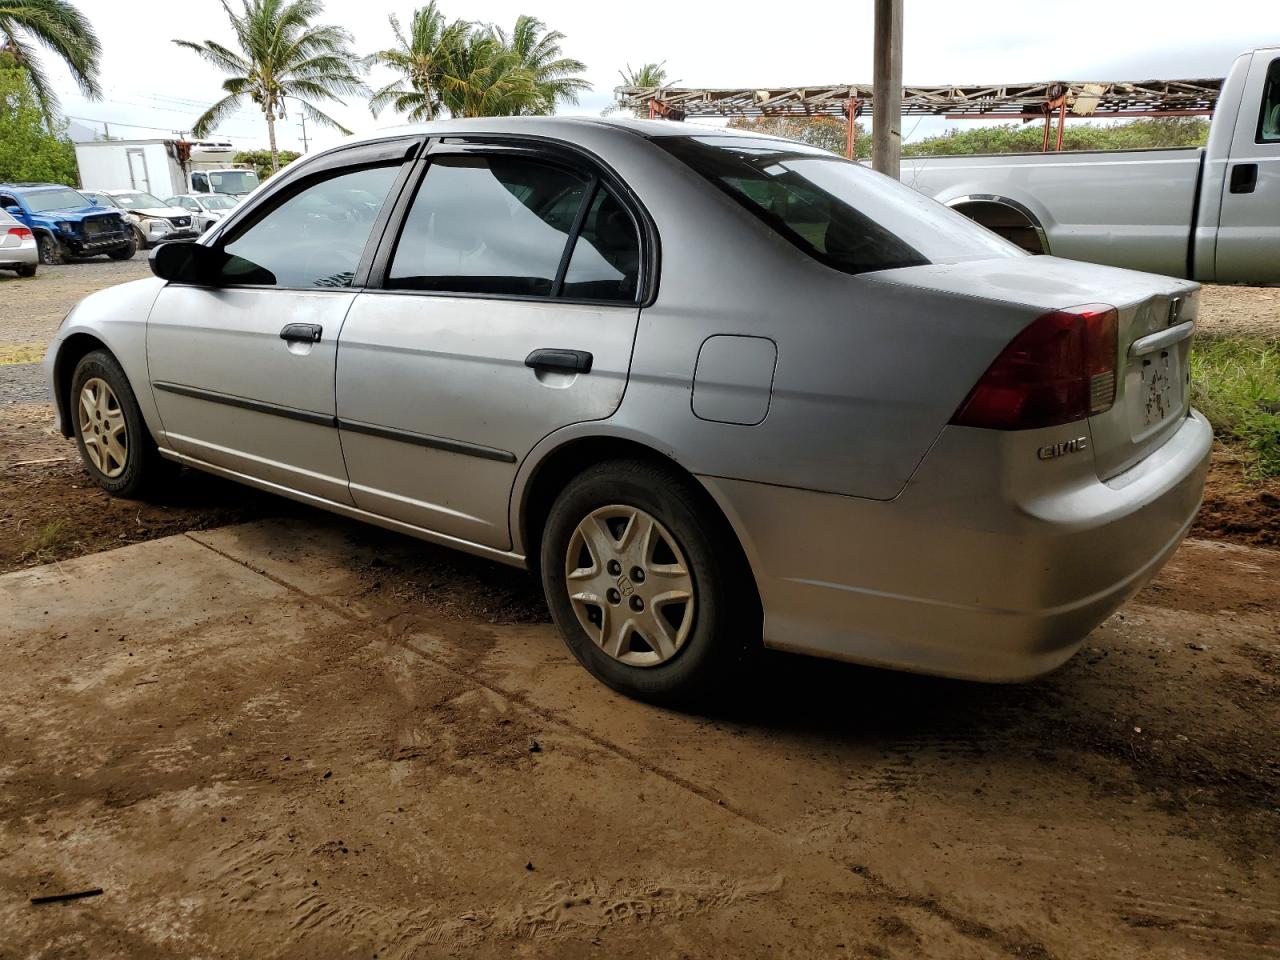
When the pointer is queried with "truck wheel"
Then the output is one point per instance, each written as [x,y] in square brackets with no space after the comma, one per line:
[646,584]
[113,439]
[126,252]
[27,270]
[50,249]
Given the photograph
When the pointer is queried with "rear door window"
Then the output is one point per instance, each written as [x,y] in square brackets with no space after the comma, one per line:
[1269,118]
[605,264]
[488,224]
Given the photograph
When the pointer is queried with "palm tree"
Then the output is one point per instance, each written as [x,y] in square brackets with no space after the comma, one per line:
[282,54]
[483,78]
[422,57]
[647,75]
[59,26]
[537,52]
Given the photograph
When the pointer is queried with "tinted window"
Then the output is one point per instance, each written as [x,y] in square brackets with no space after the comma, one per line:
[837,211]
[487,224]
[314,238]
[606,257]
[1269,119]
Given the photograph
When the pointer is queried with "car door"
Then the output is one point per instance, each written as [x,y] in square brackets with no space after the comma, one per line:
[503,308]
[242,365]
[1249,221]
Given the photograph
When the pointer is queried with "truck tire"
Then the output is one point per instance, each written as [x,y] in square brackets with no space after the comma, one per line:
[126,252]
[50,249]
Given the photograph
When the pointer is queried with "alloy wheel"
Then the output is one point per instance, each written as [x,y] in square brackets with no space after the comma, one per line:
[630,585]
[102,428]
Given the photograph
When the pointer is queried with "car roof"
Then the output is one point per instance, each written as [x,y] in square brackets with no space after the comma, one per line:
[32,185]
[563,127]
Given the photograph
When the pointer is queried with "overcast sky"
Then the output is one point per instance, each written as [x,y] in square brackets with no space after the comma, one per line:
[152,83]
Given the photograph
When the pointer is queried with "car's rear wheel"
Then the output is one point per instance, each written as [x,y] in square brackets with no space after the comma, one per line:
[645,583]
[50,249]
[125,252]
[27,270]
[113,440]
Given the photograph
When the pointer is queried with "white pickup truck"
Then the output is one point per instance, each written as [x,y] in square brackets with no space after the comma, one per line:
[1210,214]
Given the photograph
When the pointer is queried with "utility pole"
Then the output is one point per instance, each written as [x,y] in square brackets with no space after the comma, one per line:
[886,129]
[304,133]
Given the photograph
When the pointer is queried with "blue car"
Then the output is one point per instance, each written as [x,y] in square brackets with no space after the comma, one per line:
[66,224]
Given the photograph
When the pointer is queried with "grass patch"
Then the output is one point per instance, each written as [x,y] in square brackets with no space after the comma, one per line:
[1235,382]
[45,544]
[20,353]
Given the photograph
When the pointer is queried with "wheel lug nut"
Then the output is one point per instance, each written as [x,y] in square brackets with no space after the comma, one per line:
[615,567]
[614,596]
[637,604]
[637,575]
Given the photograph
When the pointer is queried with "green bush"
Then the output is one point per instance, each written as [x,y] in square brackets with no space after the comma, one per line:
[1235,382]
[1029,137]
[29,148]
[261,160]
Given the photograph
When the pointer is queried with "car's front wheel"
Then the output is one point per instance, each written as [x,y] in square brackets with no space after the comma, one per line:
[125,252]
[50,250]
[113,440]
[646,585]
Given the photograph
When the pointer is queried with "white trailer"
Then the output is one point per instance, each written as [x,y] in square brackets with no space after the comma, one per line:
[157,167]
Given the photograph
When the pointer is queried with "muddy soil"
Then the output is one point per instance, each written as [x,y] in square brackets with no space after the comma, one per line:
[286,739]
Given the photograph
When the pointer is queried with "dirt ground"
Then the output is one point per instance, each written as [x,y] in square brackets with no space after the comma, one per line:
[301,737]
[285,739]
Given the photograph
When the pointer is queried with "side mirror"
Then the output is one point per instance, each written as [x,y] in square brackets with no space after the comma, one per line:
[15,210]
[182,261]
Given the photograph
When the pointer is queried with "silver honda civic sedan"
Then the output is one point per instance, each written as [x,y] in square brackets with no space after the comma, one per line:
[719,390]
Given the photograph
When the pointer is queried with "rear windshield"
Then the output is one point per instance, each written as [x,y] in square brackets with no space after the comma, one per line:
[836,211]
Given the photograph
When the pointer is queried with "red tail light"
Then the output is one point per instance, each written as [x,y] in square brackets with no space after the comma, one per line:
[19,232]
[1059,369]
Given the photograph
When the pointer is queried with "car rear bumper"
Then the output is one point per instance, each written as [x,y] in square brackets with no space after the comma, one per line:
[991,565]
[19,256]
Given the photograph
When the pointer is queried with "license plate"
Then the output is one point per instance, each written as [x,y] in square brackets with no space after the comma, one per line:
[92,228]
[1160,386]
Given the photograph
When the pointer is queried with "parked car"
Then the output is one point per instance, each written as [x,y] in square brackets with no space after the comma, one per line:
[17,246]
[153,220]
[718,389]
[206,208]
[1211,214]
[66,223]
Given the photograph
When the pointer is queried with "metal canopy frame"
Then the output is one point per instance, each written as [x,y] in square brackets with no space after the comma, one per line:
[1015,101]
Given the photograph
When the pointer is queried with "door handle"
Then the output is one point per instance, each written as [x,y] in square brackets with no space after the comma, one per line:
[566,361]
[301,333]
[1244,177]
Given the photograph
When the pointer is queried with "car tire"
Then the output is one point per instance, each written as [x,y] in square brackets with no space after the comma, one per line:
[707,640]
[49,248]
[139,241]
[27,270]
[131,464]
[126,252]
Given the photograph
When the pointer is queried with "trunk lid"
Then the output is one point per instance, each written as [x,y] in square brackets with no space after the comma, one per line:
[1157,313]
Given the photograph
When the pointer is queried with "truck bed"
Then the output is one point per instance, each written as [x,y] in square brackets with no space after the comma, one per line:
[1128,208]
